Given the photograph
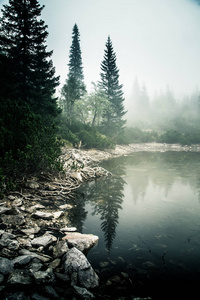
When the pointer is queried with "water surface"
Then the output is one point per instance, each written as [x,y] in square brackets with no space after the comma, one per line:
[147,215]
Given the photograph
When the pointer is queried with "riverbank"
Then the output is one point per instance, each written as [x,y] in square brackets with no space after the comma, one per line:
[42,256]
[95,156]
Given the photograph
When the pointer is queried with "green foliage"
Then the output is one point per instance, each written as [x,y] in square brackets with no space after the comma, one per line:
[172,136]
[26,144]
[136,135]
[113,118]
[93,139]
[89,136]
[90,108]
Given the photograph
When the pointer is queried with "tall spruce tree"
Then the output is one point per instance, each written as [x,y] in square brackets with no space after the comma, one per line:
[74,87]
[23,41]
[113,117]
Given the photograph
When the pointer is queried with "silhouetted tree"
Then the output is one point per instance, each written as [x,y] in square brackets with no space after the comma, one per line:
[28,82]
[113,117]
[23,41]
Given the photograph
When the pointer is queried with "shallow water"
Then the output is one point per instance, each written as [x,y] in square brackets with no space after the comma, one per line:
[147,216]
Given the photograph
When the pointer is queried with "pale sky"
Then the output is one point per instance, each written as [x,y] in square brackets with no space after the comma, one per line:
[157,41]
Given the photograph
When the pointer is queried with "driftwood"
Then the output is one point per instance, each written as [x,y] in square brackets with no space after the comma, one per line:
[77,169]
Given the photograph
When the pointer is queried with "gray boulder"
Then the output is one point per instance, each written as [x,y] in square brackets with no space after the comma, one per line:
[44,240]
[7,241]
[6,266]
[60,249]
[76,262]
[22,260]
[83,242]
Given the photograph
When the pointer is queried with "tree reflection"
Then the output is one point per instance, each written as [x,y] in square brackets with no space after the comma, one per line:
[106,197]
[77,215]
[107,203]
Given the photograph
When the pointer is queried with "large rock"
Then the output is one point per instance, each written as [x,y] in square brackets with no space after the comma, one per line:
[6,266]
[83,242]
[44,240]
[76,262]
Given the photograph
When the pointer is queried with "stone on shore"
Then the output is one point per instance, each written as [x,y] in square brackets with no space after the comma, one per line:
[44,276]
[44,240]
[4,209]
[8,241]
[60,249]
[14,220]
[20,277]
[83,293]
[42,215]
[83,242]
[75,262]
[6,266]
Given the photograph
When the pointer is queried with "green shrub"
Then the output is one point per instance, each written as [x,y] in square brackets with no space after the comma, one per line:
[94,139]
[136,135]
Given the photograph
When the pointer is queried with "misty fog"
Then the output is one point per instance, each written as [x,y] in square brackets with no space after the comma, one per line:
[162,111]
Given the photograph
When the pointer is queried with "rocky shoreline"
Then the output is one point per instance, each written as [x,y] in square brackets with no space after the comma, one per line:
[42,256]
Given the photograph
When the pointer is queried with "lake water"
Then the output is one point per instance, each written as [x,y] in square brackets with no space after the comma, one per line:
[147,217]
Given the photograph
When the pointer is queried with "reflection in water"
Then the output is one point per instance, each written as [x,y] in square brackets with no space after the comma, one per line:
[77,215]
[106,197]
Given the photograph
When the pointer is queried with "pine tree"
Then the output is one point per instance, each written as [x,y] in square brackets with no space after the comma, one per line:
[23,41]
[74,87]
[113,117]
